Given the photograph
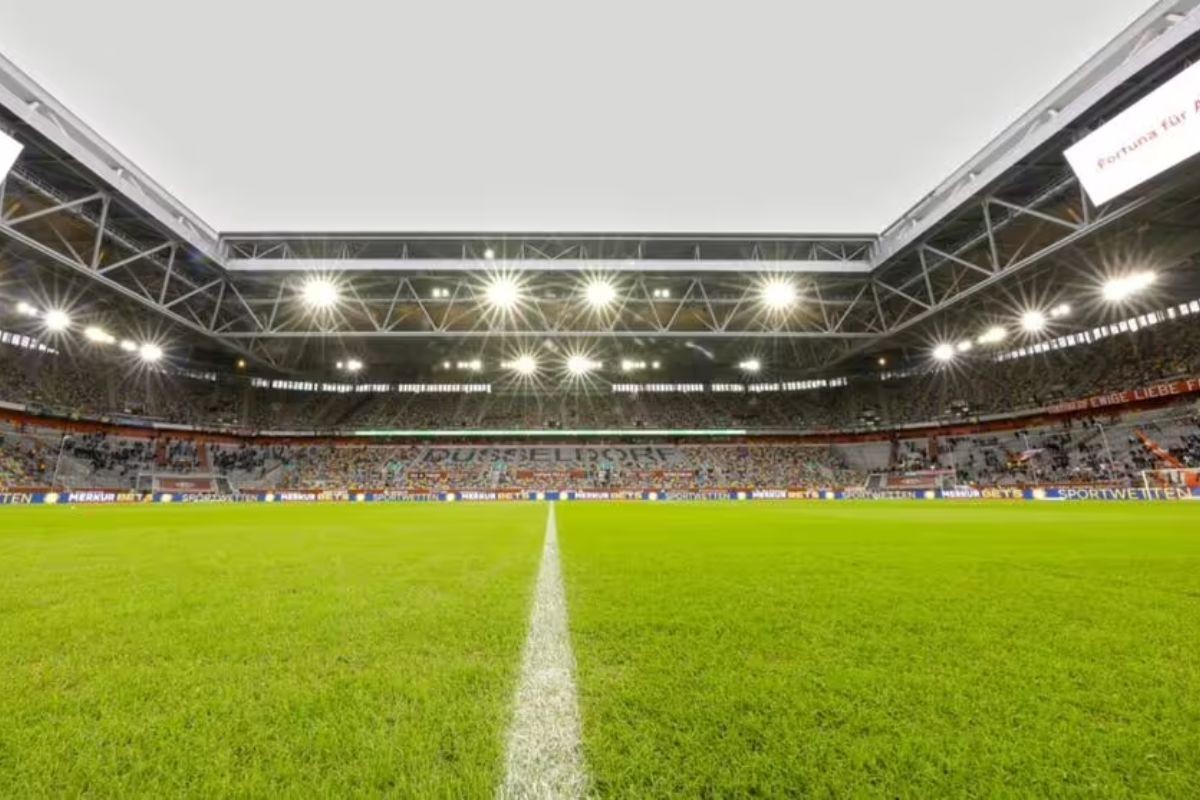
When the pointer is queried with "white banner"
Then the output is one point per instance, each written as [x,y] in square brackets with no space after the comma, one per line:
[9,150]
[1153,135]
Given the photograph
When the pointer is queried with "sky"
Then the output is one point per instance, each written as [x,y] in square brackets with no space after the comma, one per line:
[529,115]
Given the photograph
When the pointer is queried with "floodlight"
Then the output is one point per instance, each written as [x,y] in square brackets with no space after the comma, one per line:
[750,365]
[943,352]
[26,310]
[993,335]
[354,365]
[882,361]
[1033,321]
[655,364]
[600,293]
[524,365]
[56,320]
[128,346]
[98,335]
[580,365]
[964,346]
[1118,289]
[150,353]
[778,294]
[489,254]
[10,148]
[1061,310]
[475,365]
[502,292]
[241,363]
[320,293]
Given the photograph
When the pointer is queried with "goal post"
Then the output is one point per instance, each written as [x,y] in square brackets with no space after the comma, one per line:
[1171,477]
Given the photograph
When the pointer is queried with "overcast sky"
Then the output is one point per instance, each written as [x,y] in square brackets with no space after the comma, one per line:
[638,115]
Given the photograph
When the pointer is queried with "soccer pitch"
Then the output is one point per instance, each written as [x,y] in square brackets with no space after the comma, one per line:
[262,651]
[752,649]
[887,649]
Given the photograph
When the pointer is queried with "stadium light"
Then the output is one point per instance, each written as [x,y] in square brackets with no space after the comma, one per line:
[1061,310]
[150,353]
[128,346]
[882,361]
[320,293]
[964,346]
[10,148]
[56,320]
[26,310]
[354,365]
[661,294]
[993,335]
[98,335]
[523,365]
[1033,321]
[578,365]
[943,352]
[778,294]
[750,365]
[600,293]
[1119,289]
[655,364]
[502,292]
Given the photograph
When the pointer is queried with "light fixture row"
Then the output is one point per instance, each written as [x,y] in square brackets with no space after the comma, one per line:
[1035,320]
[57,321]
[504,292]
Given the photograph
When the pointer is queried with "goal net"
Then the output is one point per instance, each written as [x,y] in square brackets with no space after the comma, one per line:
[1173,477]
[184,484]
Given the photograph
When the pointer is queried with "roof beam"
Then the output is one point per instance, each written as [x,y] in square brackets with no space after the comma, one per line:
[38,109]
[568,265]
[486,333]
[1168,24]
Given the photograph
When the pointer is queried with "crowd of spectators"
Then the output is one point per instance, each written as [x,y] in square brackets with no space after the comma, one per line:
[1112,450]
[23,462]
[1079,451]
[109,457]
[973,386]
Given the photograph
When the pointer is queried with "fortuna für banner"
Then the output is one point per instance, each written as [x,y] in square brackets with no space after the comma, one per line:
[1151,136]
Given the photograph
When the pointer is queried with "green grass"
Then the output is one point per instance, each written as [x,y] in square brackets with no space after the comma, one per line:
[887,650]
[725,650]
[267,651]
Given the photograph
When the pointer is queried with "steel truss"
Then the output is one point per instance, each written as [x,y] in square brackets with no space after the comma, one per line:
[244,308]
[74,203]
[80,232]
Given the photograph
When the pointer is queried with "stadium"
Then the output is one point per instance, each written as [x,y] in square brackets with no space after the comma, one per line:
[463,402]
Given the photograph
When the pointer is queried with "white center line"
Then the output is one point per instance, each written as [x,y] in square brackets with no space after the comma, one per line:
[544,757]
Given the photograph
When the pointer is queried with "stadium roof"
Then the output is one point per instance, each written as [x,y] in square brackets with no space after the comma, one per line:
[1010,223]
[367,116]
